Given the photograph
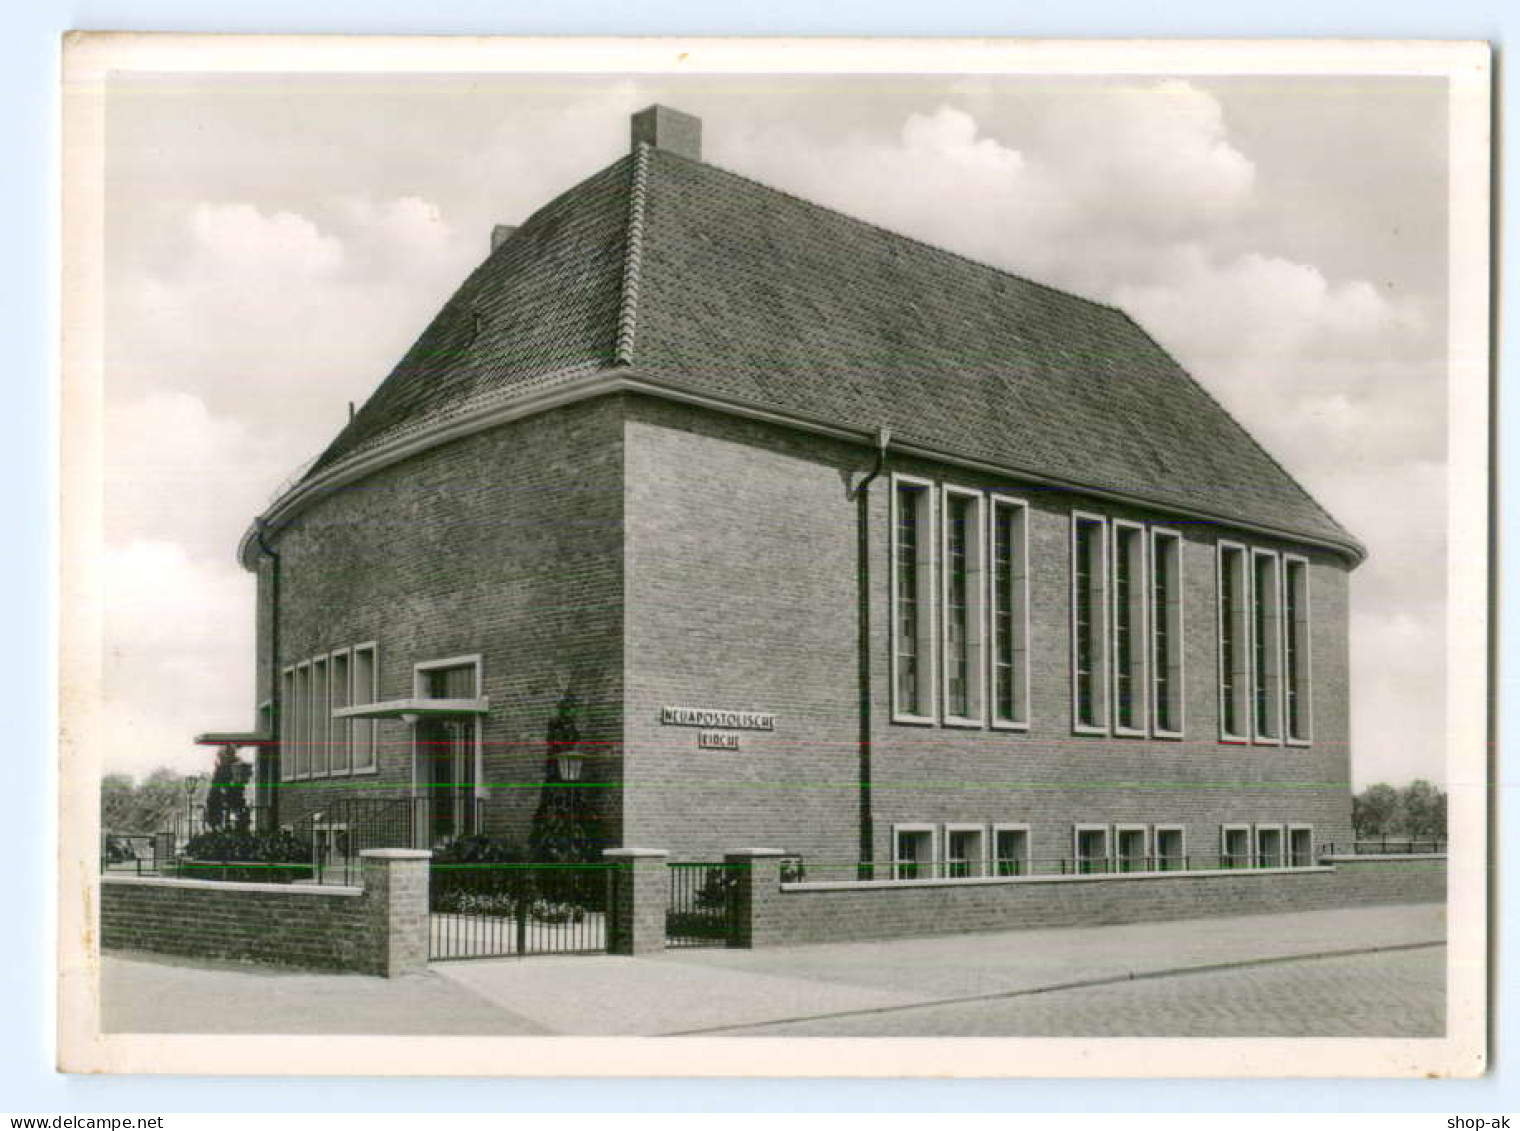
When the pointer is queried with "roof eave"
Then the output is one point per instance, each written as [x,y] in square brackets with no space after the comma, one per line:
[620,379]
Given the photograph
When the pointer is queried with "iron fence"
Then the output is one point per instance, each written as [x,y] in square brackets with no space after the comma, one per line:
[130,854]
[340,831]
[499,910]
[703,908]
[801,870]
[1387,846]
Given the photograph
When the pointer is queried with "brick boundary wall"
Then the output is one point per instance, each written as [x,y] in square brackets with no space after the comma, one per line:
[378,928]
[772,913]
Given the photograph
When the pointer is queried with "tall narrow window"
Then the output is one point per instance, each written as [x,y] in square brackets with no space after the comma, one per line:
[1129,628]
[1266,640]
[1296,648]
[287,724]
[364,691]
[340,761]
[963,606]
[321,717]
[912,600]
[1234,644]
[1010,613]
[1088,616]
[301,724]
[1166,632]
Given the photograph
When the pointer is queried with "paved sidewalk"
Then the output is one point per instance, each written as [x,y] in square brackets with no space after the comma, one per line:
[682,991]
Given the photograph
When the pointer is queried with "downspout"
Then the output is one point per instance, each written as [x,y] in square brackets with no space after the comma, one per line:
[862,494]
[275,706]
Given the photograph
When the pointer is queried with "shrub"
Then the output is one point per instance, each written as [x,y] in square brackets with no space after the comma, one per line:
[275,857]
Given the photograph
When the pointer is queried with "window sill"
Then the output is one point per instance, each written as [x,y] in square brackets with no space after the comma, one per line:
[914,720]
[1300,743]
[1005,724]
[1259,741]
[1235,739]
[963,723]
[1168,735]
[1088,731]
[1130,732]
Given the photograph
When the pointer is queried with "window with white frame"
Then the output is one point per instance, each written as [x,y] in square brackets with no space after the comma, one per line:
[1010,612]
[1269,846]
[287,724]
[1010,850]
[1234,644]
[302,724]
[1300,846]
[1171,848]
[1129,627]
[913,852]
[964,846]
[962,552]
[1297,701]
[1090,848]
[340,761]
[321,718]
[1235,846]
[365,690]
[1088,627]
[912,599]
[1266,639]
[1132,848]
[1166,633]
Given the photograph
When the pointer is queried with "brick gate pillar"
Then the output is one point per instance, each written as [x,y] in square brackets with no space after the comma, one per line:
[638,892]
[396,892]
[757,885]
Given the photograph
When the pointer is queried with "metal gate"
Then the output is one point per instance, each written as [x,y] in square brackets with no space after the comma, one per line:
[703,907]
[501,910]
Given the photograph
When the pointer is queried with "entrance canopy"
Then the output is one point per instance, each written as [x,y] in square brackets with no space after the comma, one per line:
[233,738]
[415,709]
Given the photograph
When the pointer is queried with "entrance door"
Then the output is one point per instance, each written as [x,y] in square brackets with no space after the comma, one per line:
[446,751]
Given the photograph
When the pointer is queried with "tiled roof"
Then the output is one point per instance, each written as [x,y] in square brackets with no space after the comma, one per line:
[731,290]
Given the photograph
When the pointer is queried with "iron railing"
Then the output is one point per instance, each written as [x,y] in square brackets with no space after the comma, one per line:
[498,910]
[341,830]
[703,909]
[130,854]
[1387,846]
[801,870]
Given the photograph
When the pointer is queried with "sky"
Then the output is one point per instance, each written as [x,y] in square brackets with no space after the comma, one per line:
[275,243]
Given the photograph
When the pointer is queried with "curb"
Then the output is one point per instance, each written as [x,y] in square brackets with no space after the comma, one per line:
[1057,987]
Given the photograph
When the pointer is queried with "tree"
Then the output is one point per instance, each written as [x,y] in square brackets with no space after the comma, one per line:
[560,833]
[1376,811]
[1424,811]
[132,807]
[226,804]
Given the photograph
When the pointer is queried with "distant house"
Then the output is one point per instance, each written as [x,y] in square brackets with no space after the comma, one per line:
[844,544]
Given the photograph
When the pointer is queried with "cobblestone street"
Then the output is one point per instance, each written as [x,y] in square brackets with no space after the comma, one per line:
[1395,994]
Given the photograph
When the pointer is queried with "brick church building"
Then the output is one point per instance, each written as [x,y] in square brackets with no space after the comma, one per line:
[837,543]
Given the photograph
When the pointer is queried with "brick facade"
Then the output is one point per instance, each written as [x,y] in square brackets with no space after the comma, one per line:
[812,913]
[380,928]
[646,553]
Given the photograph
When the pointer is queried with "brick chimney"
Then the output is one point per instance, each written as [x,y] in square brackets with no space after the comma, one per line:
[500,233]
[670,130]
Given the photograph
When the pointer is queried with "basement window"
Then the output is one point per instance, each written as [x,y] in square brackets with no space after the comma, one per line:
[964,851]
[1235,846]
[1010,847]
[1269,846]
[1132,848]
[1300,846]
[1090,849]
[1171,848]
[913,852]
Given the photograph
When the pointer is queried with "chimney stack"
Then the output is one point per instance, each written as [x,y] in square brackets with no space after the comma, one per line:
[670,130]
[500,233]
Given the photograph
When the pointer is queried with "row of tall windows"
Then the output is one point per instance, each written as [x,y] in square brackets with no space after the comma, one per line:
[1126,627]
[1263,645]
[312,742]
[960,650]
